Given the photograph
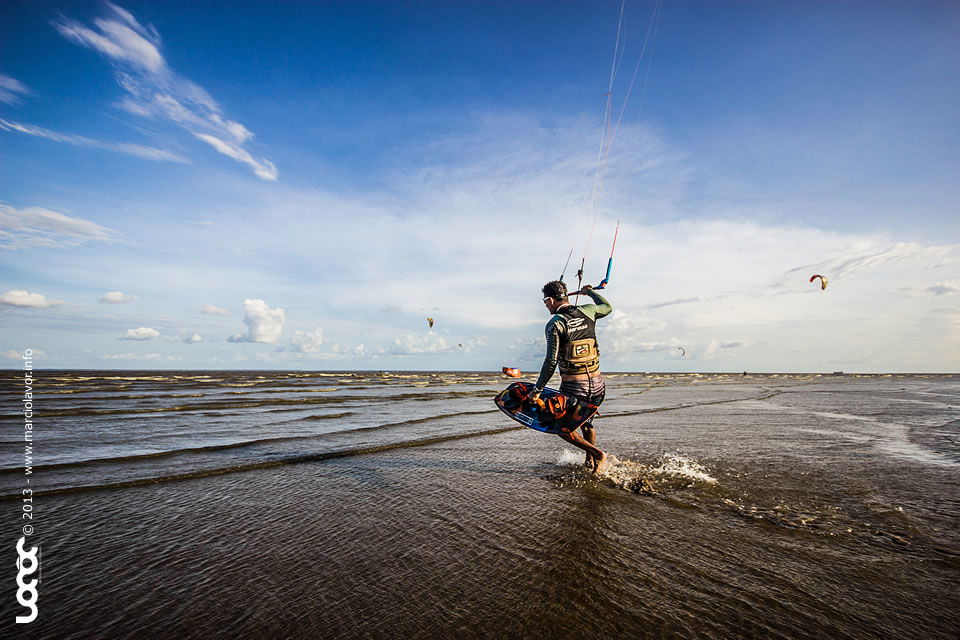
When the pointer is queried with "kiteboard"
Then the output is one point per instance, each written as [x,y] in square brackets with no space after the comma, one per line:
[553,412]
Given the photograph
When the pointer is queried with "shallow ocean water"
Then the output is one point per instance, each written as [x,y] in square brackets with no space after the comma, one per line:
[299,505]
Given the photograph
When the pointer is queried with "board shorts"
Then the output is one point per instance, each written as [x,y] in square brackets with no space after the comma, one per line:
[588,387]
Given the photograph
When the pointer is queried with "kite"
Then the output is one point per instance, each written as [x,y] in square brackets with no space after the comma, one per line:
[823,280]
[511,372]
[430,322]
[683,352]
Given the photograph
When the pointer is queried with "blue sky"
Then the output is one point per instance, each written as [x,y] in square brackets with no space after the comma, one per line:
[299,185]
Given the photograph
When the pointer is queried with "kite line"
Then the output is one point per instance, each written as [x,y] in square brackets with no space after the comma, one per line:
[611,128]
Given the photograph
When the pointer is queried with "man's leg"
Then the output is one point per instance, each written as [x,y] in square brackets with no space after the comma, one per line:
[596,457]
[590,436]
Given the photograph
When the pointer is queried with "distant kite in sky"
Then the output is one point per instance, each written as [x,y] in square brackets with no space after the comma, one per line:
[511,372]
[823,280]
[430,322]
[683,352]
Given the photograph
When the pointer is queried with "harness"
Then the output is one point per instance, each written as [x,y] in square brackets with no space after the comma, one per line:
[579,351]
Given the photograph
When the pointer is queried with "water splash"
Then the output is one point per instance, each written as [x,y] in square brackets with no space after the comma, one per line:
[668,471]
[568,458]
[681,467]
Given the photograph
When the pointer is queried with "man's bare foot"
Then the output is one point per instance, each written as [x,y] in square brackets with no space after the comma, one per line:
[598,463]
[588,463]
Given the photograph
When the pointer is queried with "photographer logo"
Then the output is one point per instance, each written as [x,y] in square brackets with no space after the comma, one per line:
[27,564]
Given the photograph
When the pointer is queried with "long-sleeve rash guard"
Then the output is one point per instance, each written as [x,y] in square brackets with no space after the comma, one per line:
[557,331]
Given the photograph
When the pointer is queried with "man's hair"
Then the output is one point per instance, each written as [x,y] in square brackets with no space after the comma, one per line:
[555,289]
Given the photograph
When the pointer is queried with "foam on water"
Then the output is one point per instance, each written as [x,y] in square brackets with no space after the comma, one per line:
[568,458]
[887,436]
[680,466]
[639,477]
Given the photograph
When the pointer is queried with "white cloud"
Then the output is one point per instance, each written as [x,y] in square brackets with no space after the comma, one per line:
[116,297]
[11,89]
[140,333]
[262,168]
[307,341]
[21,298]
[212,310]
[263,323]
[125,40]
[13,354]
[527,350]
[675,301]
[137,150]
[195,338]
[716,346]
[412,345]
[155,90]
[474,342]
[622,333]
[136,356]
[434,240]
[862,256]
[355,350]
[39,227]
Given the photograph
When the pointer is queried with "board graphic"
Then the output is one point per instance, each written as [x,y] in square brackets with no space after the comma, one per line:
[554,412]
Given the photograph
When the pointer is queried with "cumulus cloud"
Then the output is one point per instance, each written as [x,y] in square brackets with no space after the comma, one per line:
[528,349]
[212,310]
[137,150]
[716,346]
[263,323]
[412,345]
[622,333]
[22,298]
[347,350]
[154,90]
[140,333]
[11,89]
[307,341]
[39,227]
[474,342]
[195,338]
[116,297]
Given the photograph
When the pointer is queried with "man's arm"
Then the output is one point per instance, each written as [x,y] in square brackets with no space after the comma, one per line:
[553,354]
[600,309]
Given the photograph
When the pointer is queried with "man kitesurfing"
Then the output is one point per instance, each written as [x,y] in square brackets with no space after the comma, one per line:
[572,345]
[571,332]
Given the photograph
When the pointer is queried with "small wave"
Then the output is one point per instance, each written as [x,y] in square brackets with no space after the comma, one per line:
[310,457]
[324,416]
[250,443]
[200,449]
[255,403]
[406,423]
[692,405]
